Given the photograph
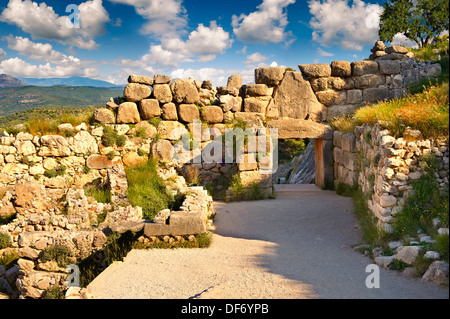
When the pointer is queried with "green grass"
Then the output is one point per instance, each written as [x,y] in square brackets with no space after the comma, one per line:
[5,241]
[147,190]
[59,253]
[111,137]
[290,148]
[99,191]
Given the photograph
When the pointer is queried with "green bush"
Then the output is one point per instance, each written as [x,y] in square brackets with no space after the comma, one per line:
[5,241]
[59,171]
[111,137]
[99,191]
[59,253]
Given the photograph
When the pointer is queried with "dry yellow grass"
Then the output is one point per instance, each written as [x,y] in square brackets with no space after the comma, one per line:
[427,111]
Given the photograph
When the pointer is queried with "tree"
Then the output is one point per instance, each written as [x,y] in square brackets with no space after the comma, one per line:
[418,20]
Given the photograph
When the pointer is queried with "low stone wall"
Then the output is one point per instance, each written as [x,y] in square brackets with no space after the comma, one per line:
[384,165]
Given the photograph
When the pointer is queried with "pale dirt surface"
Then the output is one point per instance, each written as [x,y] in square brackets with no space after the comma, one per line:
[294,247]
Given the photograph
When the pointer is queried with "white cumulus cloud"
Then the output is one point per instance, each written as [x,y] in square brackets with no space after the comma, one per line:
[349,24]
[266,25]
[42,22]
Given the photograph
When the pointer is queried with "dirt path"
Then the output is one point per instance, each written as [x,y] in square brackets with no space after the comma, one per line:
[297,246]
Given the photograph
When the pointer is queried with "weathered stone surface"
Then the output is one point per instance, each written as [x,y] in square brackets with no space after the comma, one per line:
[29,195]
[25,148]
[180,224]
[141,79]
[146,130]
[184,92]
[99,162]
[375,94]
[364,67]
[331,97]
[212,114]
[84,143]
[230,103]
[54,145]
[162,93]
[301,129]
[256,90]
[368,81]
[104,116]
[315,70]
[393,56]
[161,79]
[188,113]
[162,150]
[149,108]
[171,130]
[354,96]
[271,76]
[169,112]
[396,49]
[256,104]
[133,158]
[408,254]
[389,67]
[319,84]
[379,46]
[341,68]
[437,272]
[134,92]
[235,81]
[128,113]
[295,98]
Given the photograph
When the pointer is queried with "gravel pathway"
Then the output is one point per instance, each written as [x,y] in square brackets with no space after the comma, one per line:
[294,247]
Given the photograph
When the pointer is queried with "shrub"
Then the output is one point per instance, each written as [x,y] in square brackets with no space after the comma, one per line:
[59,253]
[99,191]
[5,241]
[59,171]
[442,246]
[55,292]
[111,137]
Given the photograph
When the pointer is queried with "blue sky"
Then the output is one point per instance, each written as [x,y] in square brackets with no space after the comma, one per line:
[180,38]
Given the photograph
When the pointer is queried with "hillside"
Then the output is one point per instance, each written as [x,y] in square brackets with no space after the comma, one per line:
[7,81]
[17,99]
[72,81]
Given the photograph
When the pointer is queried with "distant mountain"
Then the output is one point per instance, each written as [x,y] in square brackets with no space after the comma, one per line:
[72,81]
[17,99]
[7,81]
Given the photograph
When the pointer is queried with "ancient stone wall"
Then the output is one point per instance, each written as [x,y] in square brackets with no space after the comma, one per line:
[385,166]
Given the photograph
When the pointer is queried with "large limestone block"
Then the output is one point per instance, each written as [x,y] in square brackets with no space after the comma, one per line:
[184,91]
[408,254]
[134,92]
[54,145]
[162,150]
[271,76]
[161,79]
[341,68]
[234,81]
[315,70]
[296,99]
[104,116]
[292,128]
[162,93]
[389,67]
[212,114]
[368,81]
[128,113]
[396,49]
[180,224]
[141,79]
[171,130]
[169,112]
[25,148]
[99,162]
[188,113]
[256,104]
[375,94]
[331,97]
[149,109]
[84,143]
[257,90]
[230,103]
[364,67]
